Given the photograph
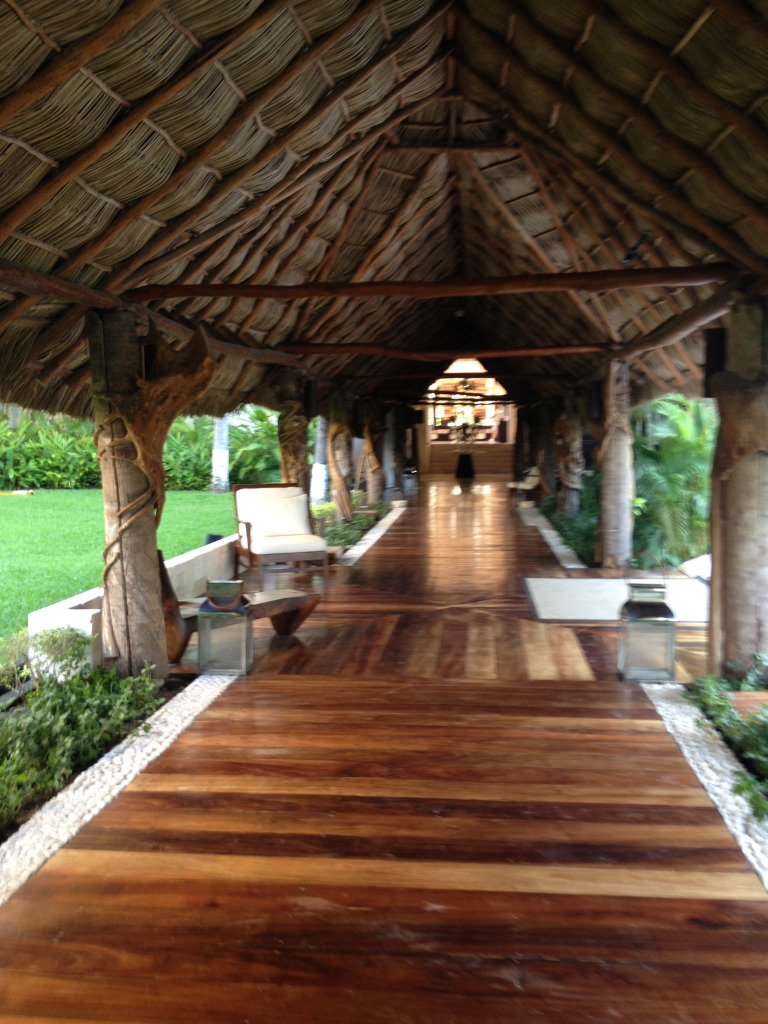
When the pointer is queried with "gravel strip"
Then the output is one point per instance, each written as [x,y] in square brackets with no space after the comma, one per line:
[62,817]
[352,554]
[716,768]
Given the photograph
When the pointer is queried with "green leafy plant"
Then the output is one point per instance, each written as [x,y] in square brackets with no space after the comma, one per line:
[673,449]
[51,452]
[72,716]
[746,735]
[580,531]
[187,454]
[254,442]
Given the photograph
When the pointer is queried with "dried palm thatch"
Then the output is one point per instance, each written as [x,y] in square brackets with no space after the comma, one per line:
[259,142]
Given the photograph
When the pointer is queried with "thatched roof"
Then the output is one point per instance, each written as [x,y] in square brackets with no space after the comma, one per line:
[203,142]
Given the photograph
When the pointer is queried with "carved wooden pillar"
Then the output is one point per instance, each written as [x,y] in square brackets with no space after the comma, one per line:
[570,459]
[616,462]
[137,393]
[292,431]
[739,514]
[398,449]
[374,474]
[522,456]
[319,486]
[543,448]
[340,457]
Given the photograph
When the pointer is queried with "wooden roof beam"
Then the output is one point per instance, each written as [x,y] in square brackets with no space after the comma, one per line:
[698,316]
[74,56]
[727,240]
[697,227]
[588,281]
[447,355]
[314,167]
[134,116]
[690,158]
[166,237]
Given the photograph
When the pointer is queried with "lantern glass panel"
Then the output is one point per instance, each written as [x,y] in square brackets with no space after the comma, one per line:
[647,635]
[225,642]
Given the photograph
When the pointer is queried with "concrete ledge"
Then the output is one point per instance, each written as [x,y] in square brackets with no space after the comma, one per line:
[189,574]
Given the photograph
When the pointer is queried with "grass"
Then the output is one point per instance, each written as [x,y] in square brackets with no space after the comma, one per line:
[52,543]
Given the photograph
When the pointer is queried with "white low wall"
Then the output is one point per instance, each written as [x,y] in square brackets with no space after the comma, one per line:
[189,574]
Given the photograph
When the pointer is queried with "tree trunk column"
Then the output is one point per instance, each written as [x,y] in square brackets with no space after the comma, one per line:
[570,460]
[739,515]
[292,432]
[339,454]
[137,393]
[618,482]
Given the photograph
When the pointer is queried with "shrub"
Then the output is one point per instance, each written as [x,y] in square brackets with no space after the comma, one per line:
[746,735]
[73,715]
[579,532]
[187,454]
[55,452]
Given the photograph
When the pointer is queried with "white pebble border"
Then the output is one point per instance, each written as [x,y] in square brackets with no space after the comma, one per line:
[566,556]
[716,768]
[64,815]
[352,554]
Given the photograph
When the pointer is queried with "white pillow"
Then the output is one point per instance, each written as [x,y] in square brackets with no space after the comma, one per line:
[251,502]
[284,516]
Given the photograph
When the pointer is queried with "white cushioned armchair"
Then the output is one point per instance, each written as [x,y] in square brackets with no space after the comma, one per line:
[274,528]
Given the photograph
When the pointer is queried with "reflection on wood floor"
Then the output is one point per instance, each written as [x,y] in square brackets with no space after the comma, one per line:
[426,808]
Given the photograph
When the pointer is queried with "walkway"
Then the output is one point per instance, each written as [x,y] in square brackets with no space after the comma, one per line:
[421,809]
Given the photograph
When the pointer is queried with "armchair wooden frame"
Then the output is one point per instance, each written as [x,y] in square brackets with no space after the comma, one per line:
[247,555]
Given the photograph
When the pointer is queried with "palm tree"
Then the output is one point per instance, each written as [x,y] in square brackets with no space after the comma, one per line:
[674,444]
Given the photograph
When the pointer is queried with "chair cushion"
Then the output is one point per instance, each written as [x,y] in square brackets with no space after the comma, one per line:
[288,544]
[283,516]
[251,503]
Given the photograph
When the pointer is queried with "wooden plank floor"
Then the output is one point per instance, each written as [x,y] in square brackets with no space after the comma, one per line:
[423,808]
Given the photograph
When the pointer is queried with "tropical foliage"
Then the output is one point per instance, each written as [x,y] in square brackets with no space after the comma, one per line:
[746,735]
[674,444]
[54,452]
[72,715]
[57,452]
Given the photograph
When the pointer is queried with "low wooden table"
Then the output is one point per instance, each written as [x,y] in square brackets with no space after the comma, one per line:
[286,609]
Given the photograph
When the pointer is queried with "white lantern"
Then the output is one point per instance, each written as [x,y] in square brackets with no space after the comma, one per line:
[647,633]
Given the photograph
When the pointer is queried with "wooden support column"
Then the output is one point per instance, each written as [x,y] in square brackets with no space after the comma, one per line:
[618,483]
[374,474]
[398,449]
[292,431]
[522,455]
[319,487]
[739,513]
[339,445]
[137,393]
[543,448]
[570,459]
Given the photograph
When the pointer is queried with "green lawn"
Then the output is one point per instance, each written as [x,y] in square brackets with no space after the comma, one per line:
[51,543]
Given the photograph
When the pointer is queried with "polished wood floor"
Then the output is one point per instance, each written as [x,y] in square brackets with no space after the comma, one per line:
[423,808]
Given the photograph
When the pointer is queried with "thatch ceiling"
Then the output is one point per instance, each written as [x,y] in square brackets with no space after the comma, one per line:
[201,142]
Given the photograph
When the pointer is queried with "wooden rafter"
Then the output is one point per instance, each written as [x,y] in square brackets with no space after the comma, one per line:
[698,227]
[529,241]
[134,116]
[589,281]
[166,237]
[446,355]
[728,242]
[690,158]
[74,56]
[314,167]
